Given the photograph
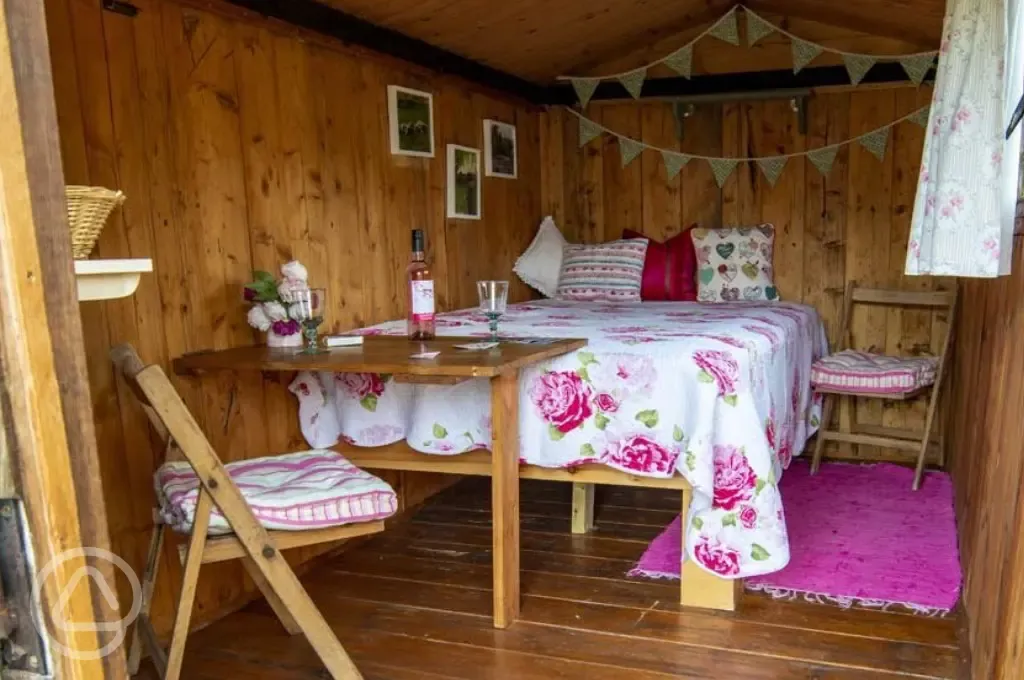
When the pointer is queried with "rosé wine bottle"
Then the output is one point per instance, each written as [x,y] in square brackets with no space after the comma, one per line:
[421,292]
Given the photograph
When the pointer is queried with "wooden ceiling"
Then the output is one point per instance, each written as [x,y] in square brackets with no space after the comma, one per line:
[541,39]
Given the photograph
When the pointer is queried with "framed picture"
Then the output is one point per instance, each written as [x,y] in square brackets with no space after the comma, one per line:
[500,157]
[411,121]
[463,182]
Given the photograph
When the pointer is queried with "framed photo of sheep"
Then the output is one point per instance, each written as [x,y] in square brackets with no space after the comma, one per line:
[500,149]
[411,121]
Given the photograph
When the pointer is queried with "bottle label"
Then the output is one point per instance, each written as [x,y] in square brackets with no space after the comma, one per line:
[422,300]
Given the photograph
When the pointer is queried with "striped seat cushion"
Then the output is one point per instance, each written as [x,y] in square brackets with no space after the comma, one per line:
[313,489]
[609,272]
[865,373]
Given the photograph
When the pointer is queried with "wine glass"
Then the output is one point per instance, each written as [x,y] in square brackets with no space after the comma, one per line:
[308,309]
[493,300]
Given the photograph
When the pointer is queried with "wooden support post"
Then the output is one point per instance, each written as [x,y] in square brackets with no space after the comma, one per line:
[582,507]
[505,497]
[698,588]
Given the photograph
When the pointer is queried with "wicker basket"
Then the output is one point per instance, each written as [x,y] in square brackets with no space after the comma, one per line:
[88,210]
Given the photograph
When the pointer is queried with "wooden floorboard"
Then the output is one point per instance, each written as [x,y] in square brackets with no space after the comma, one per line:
[414,603]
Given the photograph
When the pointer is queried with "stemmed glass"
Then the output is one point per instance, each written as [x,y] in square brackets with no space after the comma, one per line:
[493,301]
[308,309]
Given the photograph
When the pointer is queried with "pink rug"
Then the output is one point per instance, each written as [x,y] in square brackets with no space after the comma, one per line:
[858,536]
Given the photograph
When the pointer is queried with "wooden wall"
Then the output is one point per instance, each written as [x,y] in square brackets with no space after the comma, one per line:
[850,225]
[987,435]
[241,144]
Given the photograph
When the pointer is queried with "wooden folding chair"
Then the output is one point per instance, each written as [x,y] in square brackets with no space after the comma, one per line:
[258,548]
[849,374]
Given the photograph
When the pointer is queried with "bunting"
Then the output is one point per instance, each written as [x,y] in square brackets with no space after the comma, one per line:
[823,158]
[772,167]
[757,28]
[674,163]
[589,131]
[917,66]
[875,142]
[803,54]
[726,28]
[920,117]
[857,66]
[629,149]
[585,88]
[634,82]
[722,168]
[681,61]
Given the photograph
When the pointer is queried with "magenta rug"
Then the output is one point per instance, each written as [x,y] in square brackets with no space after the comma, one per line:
[858,536]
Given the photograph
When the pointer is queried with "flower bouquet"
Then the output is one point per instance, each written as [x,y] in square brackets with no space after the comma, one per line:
[271,300]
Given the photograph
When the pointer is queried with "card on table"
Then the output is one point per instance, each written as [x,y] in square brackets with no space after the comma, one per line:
[477,345]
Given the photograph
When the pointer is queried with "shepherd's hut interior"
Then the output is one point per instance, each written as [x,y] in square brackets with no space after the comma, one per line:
[581,339]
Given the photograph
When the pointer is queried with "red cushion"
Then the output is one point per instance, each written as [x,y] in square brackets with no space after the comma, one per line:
[670,269]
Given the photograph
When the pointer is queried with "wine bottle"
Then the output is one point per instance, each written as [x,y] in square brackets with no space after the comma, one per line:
[421,291]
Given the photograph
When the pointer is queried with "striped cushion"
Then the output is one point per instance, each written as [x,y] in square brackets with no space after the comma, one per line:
[609,272]
[313,489]
[852,371]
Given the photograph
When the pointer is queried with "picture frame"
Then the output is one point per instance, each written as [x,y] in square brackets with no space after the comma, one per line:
[411,122]
[463,183]
[501,152]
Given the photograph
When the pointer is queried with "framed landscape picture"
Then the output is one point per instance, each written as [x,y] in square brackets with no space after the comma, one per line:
[500,149]
[463,182]
[411,121]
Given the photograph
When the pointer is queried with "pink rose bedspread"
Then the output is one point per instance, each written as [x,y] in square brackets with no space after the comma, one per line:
[720,393]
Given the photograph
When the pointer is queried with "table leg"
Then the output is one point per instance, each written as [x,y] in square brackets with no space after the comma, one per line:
[505,496]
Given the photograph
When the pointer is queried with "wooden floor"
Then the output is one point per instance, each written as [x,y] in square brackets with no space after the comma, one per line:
[414,604]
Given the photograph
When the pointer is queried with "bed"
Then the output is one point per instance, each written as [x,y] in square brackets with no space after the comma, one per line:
[717,394]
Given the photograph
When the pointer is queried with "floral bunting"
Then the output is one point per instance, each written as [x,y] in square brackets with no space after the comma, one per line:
[726,28]
[857,66]
[921,117]
[589,131]
[875,142]
[681,61]
[722,168]
[674,163]
[757,28]
[823,158]
[629,149]
[803,54]
[585,88]
[916,66]
[634,82]
[772,167]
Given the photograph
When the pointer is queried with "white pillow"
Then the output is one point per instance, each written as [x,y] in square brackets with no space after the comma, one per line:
[541,264]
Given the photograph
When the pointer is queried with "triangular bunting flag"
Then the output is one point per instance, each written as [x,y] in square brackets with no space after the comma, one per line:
[585,88]
[629,149]
[680,61]
[875,142]
[589,131]
[823,158]
[674,162]
[722,168]
[726,28]
[857,65]
[917,66]
[634,82]
[772,167]
[757,28]
[920,117]
[803,53]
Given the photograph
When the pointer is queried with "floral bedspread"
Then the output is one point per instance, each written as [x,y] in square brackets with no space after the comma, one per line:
[720,393]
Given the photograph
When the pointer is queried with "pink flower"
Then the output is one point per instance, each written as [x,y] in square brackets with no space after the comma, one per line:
[361,385]
[641,453]
[445,446]
[303,389]
[734,478]
[769,433]
[748,516]
[721,367]
[563,399]
[606,402]
[623,374]
[717,557]
[289,327]
[379,435]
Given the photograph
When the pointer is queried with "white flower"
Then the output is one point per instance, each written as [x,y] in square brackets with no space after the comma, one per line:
[286,288]
[294,270]
[258,318]
[295,311]
[275,311]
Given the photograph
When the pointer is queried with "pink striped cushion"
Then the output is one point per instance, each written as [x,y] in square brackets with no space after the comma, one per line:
[313,489]
[609,272]
[853,371]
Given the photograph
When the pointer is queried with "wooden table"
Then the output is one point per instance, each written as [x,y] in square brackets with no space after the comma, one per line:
[383,354]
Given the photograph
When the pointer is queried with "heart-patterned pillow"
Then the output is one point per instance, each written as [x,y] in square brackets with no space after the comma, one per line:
[735,264]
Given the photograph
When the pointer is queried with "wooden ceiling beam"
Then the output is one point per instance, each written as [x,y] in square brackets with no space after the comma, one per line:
[325,20]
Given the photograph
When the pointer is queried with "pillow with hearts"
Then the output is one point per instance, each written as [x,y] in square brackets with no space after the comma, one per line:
[735,264]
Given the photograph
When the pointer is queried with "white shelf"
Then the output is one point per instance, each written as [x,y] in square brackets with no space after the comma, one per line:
[109,279]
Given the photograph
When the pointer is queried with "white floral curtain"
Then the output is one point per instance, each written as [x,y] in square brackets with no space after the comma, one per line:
[967,192]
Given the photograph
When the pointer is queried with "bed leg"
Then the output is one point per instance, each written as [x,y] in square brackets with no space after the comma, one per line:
[698,588]
[582,507]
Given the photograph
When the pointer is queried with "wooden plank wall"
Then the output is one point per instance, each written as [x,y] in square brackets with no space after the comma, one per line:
[850,225]
[987,436]
[241,144]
